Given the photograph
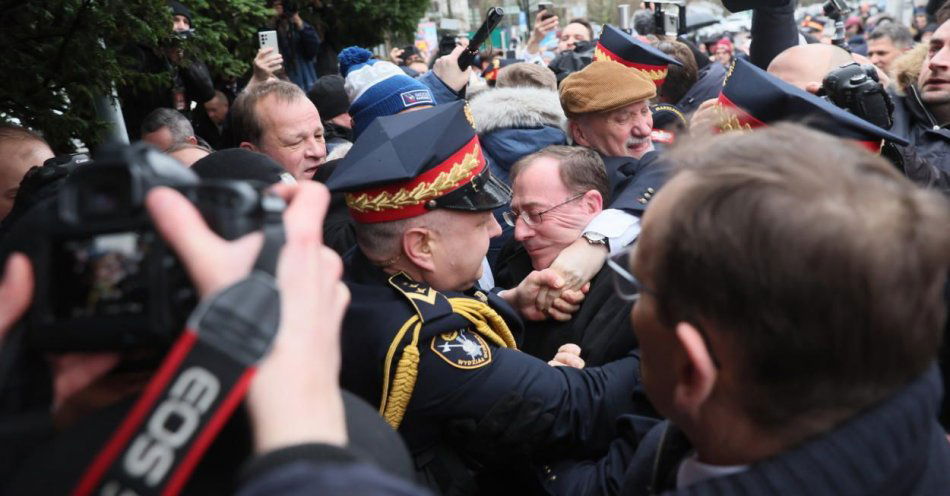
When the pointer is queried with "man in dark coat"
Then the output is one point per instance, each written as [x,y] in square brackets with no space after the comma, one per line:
[556,192]
[772,342]
[922,116]
[190,80]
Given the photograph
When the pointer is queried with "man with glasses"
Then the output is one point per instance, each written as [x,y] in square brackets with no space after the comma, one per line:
[556,192]
[792,353]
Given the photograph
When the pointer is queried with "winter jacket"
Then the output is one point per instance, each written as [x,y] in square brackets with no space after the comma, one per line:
[914,122]
[893,447]
[514,122]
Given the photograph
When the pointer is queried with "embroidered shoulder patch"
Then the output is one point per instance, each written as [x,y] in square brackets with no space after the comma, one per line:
[462,349]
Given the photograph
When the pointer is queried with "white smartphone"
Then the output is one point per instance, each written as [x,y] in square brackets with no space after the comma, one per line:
[267,39]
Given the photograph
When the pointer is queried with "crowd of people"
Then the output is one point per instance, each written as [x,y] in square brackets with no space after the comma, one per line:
[632,264]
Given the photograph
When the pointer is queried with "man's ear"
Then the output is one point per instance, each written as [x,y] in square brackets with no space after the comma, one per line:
[249,146]
[577,133]
[695,370]
[593,201]
[417,247]
[191,139]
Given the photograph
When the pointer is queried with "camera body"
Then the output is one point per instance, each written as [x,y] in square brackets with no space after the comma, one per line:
[856,88]
[669,17]
[105,279]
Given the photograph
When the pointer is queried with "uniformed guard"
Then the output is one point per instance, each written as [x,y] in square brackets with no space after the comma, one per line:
[420,339]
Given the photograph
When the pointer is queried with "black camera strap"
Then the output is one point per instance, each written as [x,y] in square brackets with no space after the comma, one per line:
[201,381]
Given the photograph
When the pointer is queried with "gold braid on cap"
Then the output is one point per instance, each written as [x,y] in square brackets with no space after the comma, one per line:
[728,120]
[653,74]
[422,192]
[486,322]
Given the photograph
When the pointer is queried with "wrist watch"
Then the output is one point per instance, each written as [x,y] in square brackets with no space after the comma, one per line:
[595,239]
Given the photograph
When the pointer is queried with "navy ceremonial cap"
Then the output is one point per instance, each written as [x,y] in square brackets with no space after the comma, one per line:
[407,164]
[758,98]
[621,47]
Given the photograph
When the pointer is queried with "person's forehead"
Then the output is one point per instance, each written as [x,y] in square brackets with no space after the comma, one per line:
[942,33]
[626,109]
[575,29]
[295,116]
[883,42]
[541,177]
[17,156]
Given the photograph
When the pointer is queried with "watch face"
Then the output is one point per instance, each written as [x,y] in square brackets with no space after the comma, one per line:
[595,238]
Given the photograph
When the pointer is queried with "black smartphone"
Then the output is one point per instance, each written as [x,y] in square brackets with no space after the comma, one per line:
[547,8]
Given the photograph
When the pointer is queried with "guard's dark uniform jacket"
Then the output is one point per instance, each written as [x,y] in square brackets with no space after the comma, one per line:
[426,358]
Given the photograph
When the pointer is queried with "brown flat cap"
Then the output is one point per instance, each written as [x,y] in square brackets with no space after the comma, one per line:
[602,86]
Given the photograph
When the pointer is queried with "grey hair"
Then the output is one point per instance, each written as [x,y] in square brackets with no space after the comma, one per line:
[176,123]
[899,34]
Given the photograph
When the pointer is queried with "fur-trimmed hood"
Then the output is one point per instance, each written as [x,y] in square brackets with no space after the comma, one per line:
[502,108]
[906,68]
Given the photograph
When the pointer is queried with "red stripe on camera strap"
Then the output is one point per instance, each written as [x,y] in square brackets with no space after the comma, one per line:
[186,350]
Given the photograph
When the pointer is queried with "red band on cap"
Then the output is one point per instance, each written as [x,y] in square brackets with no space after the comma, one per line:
[408,198]
[743,118]
[656,73]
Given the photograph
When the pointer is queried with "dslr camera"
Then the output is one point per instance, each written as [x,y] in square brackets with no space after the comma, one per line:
[856,88]
[105,279]
[669,17]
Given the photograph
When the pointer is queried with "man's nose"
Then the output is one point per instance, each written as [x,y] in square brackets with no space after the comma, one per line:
[643,127]
[522,230]
[316,149]
[941,60]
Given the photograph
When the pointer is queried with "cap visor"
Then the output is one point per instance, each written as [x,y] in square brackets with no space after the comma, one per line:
[490,194]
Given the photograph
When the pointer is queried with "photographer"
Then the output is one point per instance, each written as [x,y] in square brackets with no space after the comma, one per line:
[295,410]
[298,42]
[190,79]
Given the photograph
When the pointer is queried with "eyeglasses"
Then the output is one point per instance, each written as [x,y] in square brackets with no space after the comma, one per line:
[626,285]
[532,219]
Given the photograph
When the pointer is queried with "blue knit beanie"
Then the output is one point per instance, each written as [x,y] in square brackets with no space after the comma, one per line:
[377,88]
